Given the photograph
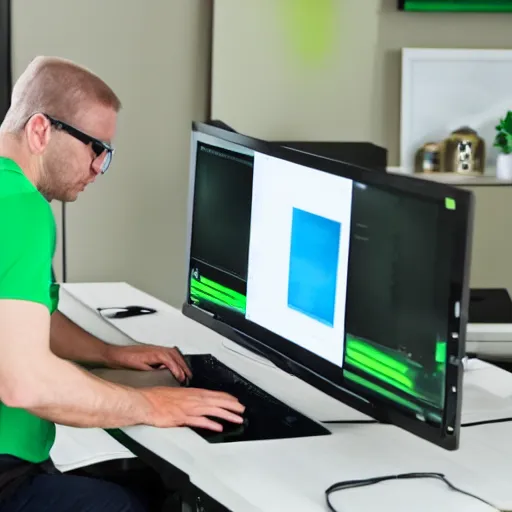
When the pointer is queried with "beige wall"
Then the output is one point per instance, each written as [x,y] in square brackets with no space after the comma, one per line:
[261,88]
[130,225]
[492,238]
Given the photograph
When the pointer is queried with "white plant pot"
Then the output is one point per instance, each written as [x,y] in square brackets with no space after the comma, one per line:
[504,167]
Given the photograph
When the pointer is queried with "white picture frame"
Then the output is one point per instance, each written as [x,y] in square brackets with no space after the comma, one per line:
[444,89]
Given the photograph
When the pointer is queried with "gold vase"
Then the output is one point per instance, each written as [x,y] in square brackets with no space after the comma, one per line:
[464,153]
[428,158]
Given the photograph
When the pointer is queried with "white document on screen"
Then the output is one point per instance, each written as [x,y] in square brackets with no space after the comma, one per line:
[298,255]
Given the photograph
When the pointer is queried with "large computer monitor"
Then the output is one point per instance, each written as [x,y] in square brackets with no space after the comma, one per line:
[353,280]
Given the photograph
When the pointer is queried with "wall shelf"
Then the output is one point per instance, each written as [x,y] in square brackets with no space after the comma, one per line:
[454,179]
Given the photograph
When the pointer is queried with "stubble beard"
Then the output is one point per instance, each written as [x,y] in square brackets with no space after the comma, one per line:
[53,185]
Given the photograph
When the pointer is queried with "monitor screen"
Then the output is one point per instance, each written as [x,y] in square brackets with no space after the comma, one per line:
[456,5]
[340,270]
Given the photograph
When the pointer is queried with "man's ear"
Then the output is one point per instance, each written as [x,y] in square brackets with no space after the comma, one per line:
[38,133]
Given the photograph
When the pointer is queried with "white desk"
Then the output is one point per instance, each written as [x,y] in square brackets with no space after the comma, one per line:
[293,474]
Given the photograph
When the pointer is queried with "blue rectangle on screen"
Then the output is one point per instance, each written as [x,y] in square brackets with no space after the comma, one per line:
[313,275]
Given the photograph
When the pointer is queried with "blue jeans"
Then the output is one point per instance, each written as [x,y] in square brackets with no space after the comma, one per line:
[69,493]
[27,487]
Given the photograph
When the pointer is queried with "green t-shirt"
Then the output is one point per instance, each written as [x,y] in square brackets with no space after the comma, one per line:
[27,242]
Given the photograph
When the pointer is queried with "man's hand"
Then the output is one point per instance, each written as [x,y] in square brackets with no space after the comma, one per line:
[33,378]
[149,357]
[189,407]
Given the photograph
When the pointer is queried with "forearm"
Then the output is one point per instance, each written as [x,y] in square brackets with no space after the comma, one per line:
[35,379]
[71,342]
[68,395]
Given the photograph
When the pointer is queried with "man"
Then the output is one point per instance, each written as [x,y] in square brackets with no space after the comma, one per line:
[54,141]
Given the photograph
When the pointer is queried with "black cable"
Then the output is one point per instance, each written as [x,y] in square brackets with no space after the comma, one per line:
[486,422]
[366,422]
[352,484]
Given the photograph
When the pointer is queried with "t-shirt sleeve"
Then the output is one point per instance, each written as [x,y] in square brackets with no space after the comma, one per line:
[27,243]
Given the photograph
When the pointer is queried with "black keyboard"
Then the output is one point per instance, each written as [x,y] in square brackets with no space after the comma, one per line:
[265,417]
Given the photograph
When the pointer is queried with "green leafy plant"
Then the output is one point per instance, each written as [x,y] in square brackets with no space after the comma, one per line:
[503,139]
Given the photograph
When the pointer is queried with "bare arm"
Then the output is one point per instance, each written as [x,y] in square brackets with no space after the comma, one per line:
[70,341]
[35,379]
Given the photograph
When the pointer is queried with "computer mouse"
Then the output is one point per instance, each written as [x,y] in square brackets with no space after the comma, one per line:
[232,428]
[231,431]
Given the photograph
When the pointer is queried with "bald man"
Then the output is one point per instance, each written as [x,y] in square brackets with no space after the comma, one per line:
[54,141]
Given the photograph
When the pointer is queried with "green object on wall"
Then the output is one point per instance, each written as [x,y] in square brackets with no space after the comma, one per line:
[310,27]
[459,5]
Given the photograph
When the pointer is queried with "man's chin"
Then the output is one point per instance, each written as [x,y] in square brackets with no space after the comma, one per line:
[67,198]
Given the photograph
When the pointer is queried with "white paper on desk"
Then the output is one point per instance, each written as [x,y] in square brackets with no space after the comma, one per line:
[80,447]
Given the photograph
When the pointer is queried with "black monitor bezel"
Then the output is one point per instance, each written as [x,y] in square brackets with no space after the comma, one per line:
[289,356]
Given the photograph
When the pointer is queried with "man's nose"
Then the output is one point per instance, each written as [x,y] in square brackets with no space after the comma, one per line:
[96,166]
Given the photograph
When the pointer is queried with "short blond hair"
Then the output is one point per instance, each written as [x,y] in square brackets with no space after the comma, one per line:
[57,87]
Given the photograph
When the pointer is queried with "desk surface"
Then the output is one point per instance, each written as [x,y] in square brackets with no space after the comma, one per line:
[293,474]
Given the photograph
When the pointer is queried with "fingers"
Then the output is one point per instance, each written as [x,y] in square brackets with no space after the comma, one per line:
[226,401]
[181,361]
[221,400]
[198,407]
[173,366]
[229,405]
[141,366]
[176,363]
[202,422]
[219,412]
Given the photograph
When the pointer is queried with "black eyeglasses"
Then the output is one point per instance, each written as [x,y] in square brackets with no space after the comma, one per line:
[98,146]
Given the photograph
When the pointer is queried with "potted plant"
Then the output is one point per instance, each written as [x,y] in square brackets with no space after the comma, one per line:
[503,142]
